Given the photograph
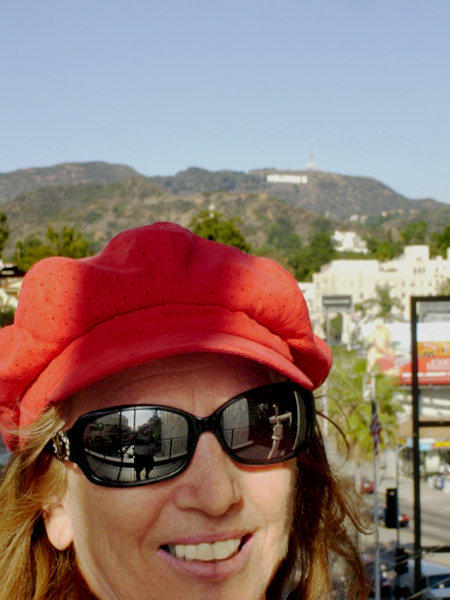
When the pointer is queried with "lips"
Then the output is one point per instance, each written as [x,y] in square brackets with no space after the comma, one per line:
[209,559]
[205,552]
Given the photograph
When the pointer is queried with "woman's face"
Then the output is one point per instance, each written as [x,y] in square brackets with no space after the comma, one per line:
[382,338]
[122,536]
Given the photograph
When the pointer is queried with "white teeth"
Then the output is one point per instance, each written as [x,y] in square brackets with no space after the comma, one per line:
[179,551]
[205,552]
[190,552]
[222,550]
[233,545]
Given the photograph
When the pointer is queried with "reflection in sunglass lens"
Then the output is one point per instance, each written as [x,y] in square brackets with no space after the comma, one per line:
[136,444]
[259,431]
[133,445]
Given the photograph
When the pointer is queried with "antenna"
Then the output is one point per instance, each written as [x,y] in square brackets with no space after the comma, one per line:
[311,165]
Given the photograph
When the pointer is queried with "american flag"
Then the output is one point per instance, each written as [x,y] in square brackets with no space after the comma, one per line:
[376,428]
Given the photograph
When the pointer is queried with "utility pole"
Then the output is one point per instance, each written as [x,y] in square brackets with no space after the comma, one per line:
[377,591]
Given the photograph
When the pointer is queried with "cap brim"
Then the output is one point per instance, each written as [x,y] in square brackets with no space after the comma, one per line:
[152,334]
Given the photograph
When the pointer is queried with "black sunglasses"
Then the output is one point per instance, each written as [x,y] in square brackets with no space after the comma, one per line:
[126,446]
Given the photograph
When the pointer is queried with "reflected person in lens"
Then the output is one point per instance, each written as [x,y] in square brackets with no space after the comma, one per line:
[158,401]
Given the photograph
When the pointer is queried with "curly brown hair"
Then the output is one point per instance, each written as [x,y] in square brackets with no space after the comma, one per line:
[328,516]
[30,567]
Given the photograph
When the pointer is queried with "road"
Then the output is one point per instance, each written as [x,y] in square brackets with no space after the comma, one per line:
[435,523]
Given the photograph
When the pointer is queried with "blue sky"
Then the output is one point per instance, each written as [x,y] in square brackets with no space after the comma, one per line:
[162,85]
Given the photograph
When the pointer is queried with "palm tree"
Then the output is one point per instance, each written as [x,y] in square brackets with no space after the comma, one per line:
[385,303]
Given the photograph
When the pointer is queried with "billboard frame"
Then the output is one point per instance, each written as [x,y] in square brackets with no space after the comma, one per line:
[417,424]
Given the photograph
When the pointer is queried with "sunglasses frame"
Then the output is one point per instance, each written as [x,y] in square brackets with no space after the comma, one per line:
[67,444]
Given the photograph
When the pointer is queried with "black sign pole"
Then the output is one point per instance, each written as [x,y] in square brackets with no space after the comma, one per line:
[416,453]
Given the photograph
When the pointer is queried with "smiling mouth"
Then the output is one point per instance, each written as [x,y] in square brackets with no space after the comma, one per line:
[205,552]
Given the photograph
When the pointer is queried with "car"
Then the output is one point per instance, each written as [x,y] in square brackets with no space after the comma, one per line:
[367,486]
[435,580]
[403,519]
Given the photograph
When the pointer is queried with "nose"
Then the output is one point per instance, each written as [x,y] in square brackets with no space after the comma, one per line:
[211,483]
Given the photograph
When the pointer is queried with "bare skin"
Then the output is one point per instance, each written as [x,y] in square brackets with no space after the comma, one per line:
[125,538]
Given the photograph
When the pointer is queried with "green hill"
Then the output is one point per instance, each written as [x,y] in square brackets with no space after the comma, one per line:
[101,211]
[102,199]
[14,183]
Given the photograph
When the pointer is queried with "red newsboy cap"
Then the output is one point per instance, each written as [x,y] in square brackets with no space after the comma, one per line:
[153,292]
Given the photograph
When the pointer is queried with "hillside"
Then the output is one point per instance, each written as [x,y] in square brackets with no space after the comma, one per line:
[102,199]
[101,211]
[332,195]
[14,183]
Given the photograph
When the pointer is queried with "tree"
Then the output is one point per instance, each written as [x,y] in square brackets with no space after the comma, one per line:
[383,249]
[415,233]
[322,248]
[333,327]
[212,226]
[351,412]
[4,231]
[283,245]
[444,288]
[384,302]
[68,243]
[311,258]
[282,236]
[440,241]
[6,315]
[323,224]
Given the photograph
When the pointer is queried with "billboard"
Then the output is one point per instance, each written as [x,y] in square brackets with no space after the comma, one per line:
[389,351]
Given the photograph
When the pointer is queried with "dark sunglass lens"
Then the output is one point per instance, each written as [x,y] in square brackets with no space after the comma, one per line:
[136,444]
[263,426]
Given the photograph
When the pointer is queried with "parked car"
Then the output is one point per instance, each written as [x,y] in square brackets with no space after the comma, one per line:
[435,580]
[403,519]
[367,486]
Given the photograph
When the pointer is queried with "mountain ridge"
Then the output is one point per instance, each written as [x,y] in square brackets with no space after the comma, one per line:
[16,182]
[103,210]
[102,198]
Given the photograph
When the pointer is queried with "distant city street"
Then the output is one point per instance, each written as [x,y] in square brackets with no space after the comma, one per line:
[435,509]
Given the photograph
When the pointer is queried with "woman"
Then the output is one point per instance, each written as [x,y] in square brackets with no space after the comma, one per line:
[381,354]
[206,356]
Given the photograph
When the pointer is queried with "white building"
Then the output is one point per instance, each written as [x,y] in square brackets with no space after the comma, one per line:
[10,284]
[349,241]
[412,274]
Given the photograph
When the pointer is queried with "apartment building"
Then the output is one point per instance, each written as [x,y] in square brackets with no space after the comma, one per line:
[412,274]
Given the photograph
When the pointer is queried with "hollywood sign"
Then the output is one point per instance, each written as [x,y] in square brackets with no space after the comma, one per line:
[285,178]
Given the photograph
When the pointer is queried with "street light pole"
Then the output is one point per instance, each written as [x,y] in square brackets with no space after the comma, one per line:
[397,483]
[377,591]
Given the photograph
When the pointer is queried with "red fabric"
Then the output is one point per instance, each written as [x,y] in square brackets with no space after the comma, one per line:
[153,292]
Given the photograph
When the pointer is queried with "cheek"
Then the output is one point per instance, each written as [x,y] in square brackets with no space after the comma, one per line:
[273,496]
[108,522]
[276,486]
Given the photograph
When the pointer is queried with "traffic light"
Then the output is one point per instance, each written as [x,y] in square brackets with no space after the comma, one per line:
[391,508]
[401,561]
